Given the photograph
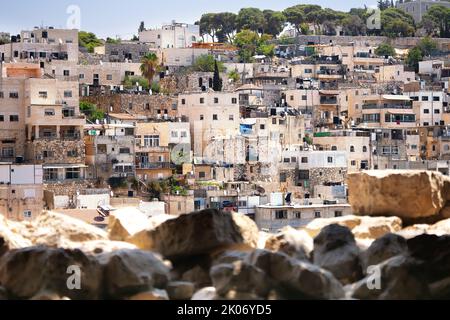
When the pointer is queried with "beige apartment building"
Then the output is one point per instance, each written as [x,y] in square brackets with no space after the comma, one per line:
[21,191]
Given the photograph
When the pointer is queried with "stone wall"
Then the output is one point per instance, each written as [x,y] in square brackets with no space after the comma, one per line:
[320,176]
[58,150]
[147,105]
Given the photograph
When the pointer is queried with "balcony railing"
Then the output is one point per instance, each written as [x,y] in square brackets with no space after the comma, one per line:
[155,165]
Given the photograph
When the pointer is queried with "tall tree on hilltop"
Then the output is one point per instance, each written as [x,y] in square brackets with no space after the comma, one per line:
[217,81]
[149,66]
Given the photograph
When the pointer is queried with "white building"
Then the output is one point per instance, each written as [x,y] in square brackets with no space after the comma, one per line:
[174,35]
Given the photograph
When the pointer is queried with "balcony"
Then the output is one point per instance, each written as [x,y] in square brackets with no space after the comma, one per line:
[370,106]
[328,100]
[155,165]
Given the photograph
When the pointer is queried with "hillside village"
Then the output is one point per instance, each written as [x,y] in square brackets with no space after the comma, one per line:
[259,155]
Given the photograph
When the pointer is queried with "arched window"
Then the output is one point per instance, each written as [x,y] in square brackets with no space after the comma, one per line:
[352,149]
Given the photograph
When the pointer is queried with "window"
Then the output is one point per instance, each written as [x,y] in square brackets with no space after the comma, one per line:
[436,99]
[371,117]
[72,153]
[202,117]
[68,112]
[174,134]
[330,159]
[216,100]
[1,95]
[73,173]
[68,94]
[231,117]
[66,73]
[364,149]
[338,214]
[2,118]
[333,148]
[274,121]
[51,174]
[27,214]
[262,127]
[124,150]
[303,174]
[14,95]
[234,100]
[308,70]
[215,117]
[317,214]
[202,100]
[292,98]
[304,159]
[49,112]
[47,154]
[14,118]
[424,98]
[353,163]
[43,94]
[109,77]
[426,111]
[297,215]
[281,214]
[352,149]
[8,152]
[151,141]
[183,101]
[101,149]
[202,175]
[183,134]
[283,177]
[426,124]
[304,98]
[81,76]
[437,111]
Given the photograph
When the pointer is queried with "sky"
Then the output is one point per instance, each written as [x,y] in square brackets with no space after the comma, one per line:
[121,18]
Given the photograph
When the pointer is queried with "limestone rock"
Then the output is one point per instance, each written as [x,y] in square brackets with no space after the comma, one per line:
[295,243]
[58,230]
[294,279]
[128,272]
[199,233]
[408,194]
[239,277]
[197,275]
[9,237]
[229,257]
[382,249]
[180,290]
[29,271]
[413,231]
[155,294]
[440,229]
[207,293]
[125,222]
[335,250]
[96,247]
[399,279]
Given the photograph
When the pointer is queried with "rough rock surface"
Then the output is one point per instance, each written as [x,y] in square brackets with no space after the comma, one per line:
[335,250]
[155,294]
[58,230]
[295,243]
[9,239]
[362,227]
[29,271]
[180,290]
[408,194]
[399,279]
[382,249]
[207,293]
[294,279]
[124,223]
[199,233]
[128,272]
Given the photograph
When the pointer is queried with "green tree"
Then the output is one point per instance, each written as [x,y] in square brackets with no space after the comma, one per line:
[217,81]
[91,112]
[149,66]
[413,58]
[207,25]
[113,41]
[385,49]
[207,63]
[428,46]
[275,22]
[251,19]
[353,25]
[225,24]
[295,16]
[130,82]
[438,17]
[88,40]
[251,43]
[234,76]
[395,22]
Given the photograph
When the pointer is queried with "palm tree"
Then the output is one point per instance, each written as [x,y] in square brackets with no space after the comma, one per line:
[149,67]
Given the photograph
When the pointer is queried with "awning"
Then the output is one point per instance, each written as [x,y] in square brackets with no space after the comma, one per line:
[63,166]
[249,121]
[396,97]
[329,92]
[400,111]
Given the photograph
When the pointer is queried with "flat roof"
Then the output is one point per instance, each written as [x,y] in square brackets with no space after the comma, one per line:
[298,206]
